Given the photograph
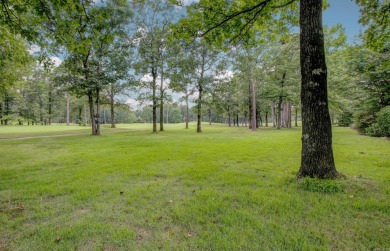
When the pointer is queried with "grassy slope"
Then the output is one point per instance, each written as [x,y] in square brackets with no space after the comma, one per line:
[225,189]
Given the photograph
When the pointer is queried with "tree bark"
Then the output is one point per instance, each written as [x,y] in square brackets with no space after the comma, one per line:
[91,111]
[253,99]
[199,107]
[112,106]
[200,90]
[162,100]
[209,116]
[80,115]
[289,115]
[67,109]
[85,114]
[187,110]
[296,116]
[154,101]
[279,115]
[250,105]
[273,115]
[97,114]
[50,100]
[317,153]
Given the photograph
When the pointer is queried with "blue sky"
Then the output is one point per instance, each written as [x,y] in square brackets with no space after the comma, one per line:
[344,12]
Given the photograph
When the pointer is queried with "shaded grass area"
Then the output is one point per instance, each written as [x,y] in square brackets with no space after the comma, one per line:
[224,189]
[24,131]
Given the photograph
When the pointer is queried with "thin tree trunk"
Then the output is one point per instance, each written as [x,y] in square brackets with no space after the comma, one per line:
[209,116]
[289,115]
[162,100]
[187,111]
[85,115]
[245,118]
[279,110]
[250,104]
[91,111]
[80,115]
[200,90]
[296,116]
[154,101]
[317,153]
[50,100]
[273,115]
[112,106]
[253,94]
[67,108]
[97,115]
[199,107]
[266,118]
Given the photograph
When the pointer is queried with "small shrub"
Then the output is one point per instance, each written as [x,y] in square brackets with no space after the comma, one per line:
[364,119]
[373,130]
[321,185]
[383,121]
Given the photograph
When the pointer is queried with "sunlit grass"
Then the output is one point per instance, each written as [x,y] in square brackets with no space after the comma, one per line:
[224,189]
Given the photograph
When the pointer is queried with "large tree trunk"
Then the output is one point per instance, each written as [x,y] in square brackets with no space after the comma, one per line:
[317,153]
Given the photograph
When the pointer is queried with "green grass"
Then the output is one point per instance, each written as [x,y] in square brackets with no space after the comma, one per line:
[224,189]
[23,132]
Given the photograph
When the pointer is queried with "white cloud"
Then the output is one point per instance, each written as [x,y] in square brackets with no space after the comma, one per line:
[227,75]
[147,78]
[34,48]
[188,2]
[56,60]
[132,103]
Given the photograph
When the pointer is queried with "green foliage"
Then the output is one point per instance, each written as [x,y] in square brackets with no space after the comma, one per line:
[14,59]
[175,115]
[374,73]
[364,119]
[321,185]
[382,125]
[248,21]
[346,118]
[375,14]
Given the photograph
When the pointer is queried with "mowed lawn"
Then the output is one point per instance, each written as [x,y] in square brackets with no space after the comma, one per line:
[224,189]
